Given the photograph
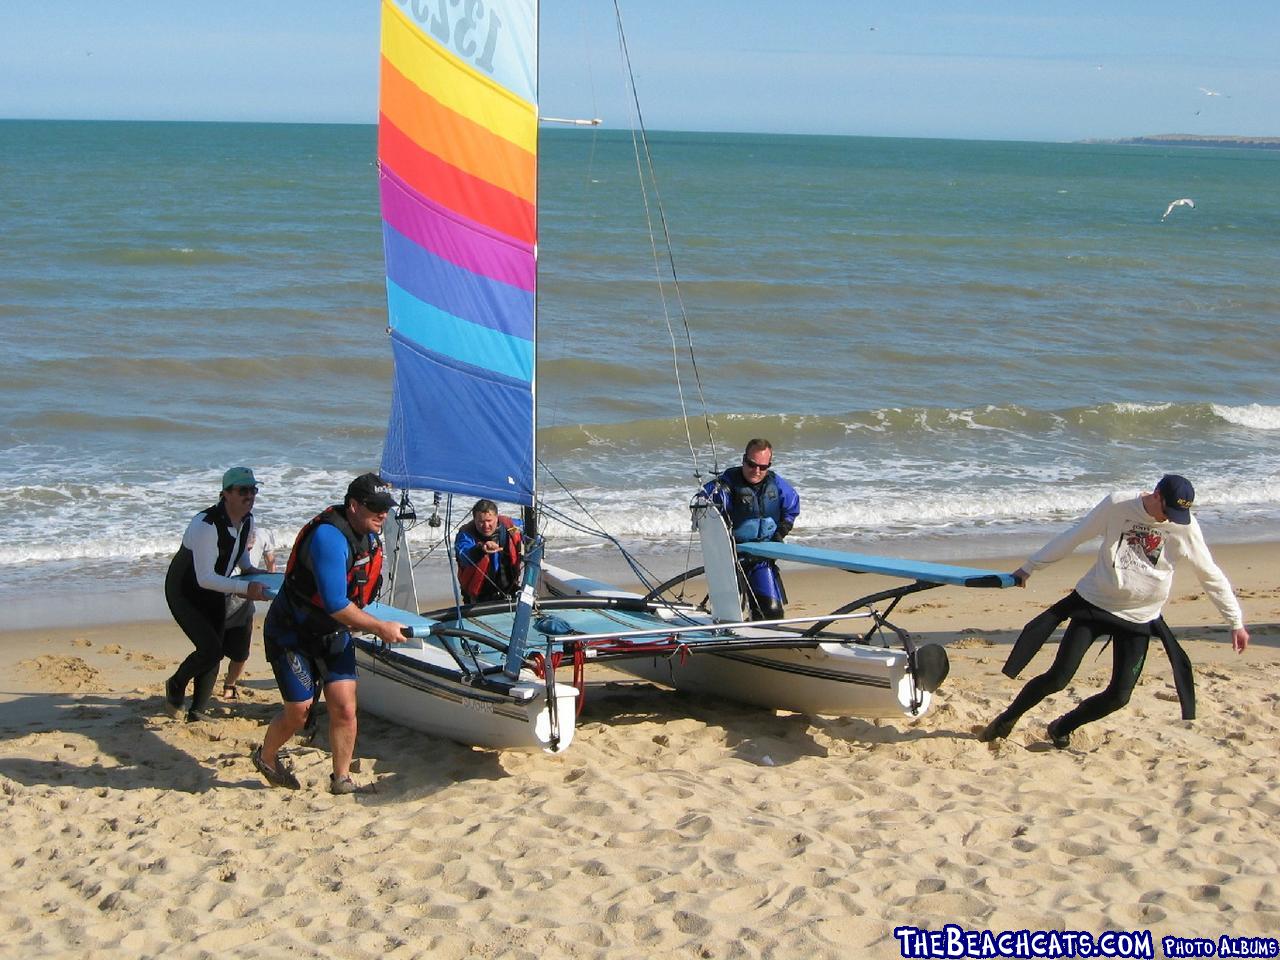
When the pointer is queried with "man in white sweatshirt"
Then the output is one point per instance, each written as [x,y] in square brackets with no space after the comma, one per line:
[1144,536]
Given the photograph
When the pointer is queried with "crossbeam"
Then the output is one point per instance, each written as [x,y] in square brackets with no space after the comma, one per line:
[919,570]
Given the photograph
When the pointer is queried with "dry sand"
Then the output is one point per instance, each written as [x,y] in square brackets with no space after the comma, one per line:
[673,826]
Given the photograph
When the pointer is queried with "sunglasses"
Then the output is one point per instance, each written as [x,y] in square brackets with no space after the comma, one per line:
[752,465]
[375,507]
[245,491]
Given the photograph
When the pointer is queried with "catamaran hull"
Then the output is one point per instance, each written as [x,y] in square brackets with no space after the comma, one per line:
[398,689]
[831,679]
[828,680]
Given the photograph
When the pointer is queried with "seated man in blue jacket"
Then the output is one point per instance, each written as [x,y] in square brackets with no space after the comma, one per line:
[487,549]
[758,505]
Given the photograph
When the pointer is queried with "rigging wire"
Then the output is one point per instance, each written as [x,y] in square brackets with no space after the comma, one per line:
[652,183]
[453,573]
[645,576]
[595,528]
[647,175]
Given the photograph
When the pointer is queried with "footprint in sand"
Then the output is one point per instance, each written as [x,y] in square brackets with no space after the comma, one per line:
[63,672]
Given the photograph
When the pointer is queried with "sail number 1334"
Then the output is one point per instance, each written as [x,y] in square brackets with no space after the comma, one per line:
[467,26]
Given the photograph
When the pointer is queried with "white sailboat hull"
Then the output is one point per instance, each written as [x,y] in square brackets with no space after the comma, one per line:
[835,680]
[831,679]
[404,689]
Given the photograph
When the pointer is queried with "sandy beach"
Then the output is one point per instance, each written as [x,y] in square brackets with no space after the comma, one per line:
[673,826]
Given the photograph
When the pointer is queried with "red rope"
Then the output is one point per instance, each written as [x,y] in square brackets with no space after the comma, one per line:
[538,662]
[580,674]
[669,647]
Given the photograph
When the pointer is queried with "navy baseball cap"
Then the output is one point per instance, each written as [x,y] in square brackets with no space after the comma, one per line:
[368,489]
[1177,494]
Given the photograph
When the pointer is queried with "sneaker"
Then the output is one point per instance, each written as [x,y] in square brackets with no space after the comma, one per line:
[278,776]
[173,699]
[1060,740]
[997,729]
[342,786]
[197,716]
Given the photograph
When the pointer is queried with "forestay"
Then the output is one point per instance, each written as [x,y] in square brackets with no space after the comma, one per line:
[457,155]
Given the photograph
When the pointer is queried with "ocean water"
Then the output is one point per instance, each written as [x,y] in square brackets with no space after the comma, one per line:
[955,346]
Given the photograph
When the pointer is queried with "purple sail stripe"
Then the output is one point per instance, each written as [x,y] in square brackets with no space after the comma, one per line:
[455,238]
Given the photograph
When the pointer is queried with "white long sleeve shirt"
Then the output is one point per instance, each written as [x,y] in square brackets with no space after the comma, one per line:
[1133,573]
[201,538]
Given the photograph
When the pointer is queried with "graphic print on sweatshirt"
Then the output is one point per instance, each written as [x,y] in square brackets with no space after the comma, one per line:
[1140,547]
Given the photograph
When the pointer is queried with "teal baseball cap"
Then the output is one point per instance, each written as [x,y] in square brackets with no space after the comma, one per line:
[238,477]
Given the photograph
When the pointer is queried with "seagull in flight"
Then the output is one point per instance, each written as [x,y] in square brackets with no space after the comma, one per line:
[1184,202]
[1209,93]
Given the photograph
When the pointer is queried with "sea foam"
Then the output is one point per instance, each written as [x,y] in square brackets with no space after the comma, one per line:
[1256,416]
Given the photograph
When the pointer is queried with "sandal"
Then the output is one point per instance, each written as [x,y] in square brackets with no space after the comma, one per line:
[229,691]
[278,776]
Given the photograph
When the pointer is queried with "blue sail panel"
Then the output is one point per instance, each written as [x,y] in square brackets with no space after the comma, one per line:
[455,289]
[471,433]
[439,331]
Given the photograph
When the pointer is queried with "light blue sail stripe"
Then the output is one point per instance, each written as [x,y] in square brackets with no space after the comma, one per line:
[454,337]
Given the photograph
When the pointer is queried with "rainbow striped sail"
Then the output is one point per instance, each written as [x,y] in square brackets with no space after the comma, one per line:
[457,156]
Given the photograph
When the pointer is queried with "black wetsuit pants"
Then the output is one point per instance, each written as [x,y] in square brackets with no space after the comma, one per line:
[1128,656]
[213,638]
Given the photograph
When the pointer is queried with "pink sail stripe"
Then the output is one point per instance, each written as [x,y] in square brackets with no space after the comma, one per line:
[455,238]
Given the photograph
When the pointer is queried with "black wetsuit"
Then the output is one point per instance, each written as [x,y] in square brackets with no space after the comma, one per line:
[1129,644]
[202,613]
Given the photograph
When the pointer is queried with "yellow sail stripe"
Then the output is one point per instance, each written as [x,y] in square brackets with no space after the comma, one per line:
[455,85]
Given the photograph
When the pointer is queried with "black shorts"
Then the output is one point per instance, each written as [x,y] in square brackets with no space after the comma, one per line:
[237,633]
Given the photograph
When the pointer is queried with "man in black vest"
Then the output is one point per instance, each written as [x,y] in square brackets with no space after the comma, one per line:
[200,585]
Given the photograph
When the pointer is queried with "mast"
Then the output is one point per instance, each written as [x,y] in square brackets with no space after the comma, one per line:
[530,511]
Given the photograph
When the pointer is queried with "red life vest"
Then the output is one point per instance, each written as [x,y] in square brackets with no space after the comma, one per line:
[364,570]
[476,579]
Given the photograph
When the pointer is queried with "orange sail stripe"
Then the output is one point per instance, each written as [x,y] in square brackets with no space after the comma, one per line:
[455,83]
[455,139]
[454,188]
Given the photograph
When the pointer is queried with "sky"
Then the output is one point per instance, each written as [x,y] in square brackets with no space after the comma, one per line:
[999,69]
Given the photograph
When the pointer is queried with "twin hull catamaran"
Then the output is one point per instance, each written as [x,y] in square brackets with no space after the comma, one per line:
[457,160]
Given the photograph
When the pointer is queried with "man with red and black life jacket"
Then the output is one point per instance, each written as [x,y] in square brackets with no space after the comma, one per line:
[334,571]
[487,548]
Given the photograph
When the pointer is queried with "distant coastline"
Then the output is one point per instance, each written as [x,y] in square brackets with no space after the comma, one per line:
[1198,140]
